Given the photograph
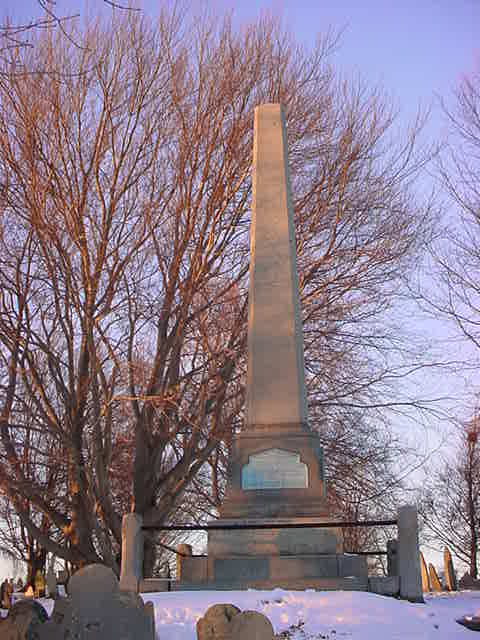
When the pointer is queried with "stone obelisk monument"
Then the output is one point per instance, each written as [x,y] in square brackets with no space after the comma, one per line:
[276,474]
[276,370]
[276,465]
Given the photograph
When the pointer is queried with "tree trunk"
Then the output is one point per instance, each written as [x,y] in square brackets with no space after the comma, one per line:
[471,512]
[149,554]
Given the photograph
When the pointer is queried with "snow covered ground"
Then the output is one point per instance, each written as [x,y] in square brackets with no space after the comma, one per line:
[322,615]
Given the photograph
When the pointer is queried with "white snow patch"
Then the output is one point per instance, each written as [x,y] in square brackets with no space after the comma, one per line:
[322,615]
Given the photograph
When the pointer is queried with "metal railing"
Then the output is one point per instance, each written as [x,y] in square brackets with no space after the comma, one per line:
[286,525]
[269,526]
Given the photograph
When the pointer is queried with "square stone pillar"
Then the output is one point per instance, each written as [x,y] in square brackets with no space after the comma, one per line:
[131,571]
[409,554]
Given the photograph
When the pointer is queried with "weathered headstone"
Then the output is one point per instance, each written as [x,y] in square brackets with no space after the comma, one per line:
[450,577]
[215,624]
[23,621]
[96,609]
[434,579]
[425,577]
[227,622]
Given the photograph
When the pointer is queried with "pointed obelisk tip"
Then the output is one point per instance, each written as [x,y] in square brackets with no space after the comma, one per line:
[270,108]
[276,376]
[269,105]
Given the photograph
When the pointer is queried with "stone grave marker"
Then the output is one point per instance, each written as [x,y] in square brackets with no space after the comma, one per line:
[425,577]
[450,577]
[434,579]
[96,609]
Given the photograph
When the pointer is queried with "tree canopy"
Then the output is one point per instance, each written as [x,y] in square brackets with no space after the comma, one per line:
[124,215]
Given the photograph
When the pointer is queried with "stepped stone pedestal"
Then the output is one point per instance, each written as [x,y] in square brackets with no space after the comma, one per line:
[276,473]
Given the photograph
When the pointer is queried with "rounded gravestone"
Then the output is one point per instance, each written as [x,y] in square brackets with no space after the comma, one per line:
[251,625]
[23,621]
[97,610]
[94,579]
[216,623]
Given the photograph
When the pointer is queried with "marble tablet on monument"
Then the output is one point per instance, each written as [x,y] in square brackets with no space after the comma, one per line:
[274,469]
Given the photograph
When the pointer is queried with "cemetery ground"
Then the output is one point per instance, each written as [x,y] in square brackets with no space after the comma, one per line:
[321,615]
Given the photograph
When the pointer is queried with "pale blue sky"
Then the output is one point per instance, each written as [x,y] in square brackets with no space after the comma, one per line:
[416,49]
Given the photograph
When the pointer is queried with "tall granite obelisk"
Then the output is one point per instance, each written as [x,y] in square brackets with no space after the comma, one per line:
[276,479]
[276,370]
[276,464]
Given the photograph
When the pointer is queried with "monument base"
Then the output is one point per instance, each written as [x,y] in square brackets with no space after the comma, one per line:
[318,584]
[302,540]
[270,571]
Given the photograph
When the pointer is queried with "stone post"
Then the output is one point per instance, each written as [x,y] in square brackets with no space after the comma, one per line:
[131,572]
[409,555]
[183,550]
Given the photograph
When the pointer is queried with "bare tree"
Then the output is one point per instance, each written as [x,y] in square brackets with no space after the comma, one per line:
[450,506]
[455,252]
[125,197]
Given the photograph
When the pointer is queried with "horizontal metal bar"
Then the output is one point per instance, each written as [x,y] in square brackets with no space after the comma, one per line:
[368,553]
[172,549]
[353,553]
[289,525]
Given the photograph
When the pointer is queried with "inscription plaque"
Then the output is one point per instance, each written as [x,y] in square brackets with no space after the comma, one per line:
[275,469]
